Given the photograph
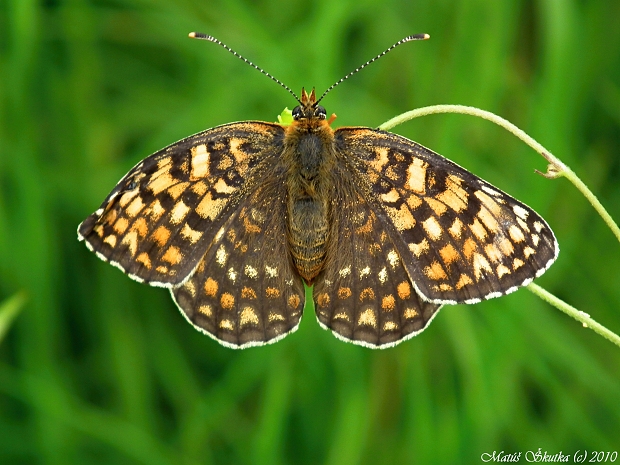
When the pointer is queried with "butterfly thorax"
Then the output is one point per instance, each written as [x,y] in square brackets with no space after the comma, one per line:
[309,156]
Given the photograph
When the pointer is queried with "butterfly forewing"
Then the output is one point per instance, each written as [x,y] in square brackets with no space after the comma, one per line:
[365,294]
[163,215]
[461,239]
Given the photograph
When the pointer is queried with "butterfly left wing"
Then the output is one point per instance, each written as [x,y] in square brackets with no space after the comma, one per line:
[158,221]
[461,239]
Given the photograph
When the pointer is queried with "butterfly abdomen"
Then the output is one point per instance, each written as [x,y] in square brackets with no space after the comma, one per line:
[309,156]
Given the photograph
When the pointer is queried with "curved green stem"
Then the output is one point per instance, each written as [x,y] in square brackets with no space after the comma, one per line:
[585,319]
[555,169]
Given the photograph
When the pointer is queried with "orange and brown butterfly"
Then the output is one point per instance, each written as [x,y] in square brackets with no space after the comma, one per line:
[236,219]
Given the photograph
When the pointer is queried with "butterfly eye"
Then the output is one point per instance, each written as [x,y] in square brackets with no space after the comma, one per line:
[297,113]
[320,113]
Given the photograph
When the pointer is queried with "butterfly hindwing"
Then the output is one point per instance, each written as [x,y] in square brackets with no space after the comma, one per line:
[244,291]
[160,218]
[365,294]
[461,239]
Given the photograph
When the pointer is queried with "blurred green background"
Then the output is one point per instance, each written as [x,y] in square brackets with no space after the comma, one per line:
[99,369]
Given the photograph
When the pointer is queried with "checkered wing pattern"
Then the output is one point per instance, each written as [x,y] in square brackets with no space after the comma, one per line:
[244,291]
[161,218]
[459,238]
[365,294]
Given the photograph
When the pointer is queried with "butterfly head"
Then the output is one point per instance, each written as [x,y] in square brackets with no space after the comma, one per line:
[309,108]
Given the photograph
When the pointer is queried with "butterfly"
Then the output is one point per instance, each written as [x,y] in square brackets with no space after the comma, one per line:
[239,219]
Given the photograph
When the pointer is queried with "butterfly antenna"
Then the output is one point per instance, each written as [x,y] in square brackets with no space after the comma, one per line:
[400,42]
[200,35]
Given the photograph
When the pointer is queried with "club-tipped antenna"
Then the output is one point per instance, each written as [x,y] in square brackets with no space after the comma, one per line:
[200,35]
[400,42]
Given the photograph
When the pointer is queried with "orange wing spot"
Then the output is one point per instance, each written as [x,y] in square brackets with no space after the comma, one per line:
[391,196]
[445,287]
[367,318]
[98,229]
[121,225]
[155,210]
[173,255]
[432,228]
[517,263]
[488,220]
[493,253]
[190,287]
[367,294]
[127,197]
[110,216]
[179,212]
[341,316]
[227,300]
[416,176]
[469,247]
[273,316]
[390,326]
[140,226]
[463,281]
[272,293]
[344,293]
[294,301]
[381,159]
[210,207]
[480,264]
[191,235]
[145,260]
[478,230]
[235,149]
[250,227]
[177,190]
[449,254]
[222,188]
[491,205]
[435,272]
[414,201]
[528,251]
[206,310]
[161,269]
[438,207]
[161,183]
[161,235]
[454,196]
[211,287]
[410,313]
[516,234]
[225,163]
[388,303]
[248,317]
[199,188]
[502,270]
[110,240]
[523,225]
[200,161]
[506,246]
[322,299]
[401,217]
[134,207]
[456,229]
[366,227]
[248,293]
[227,324]
[131,240]
[403,290]
[420,248]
